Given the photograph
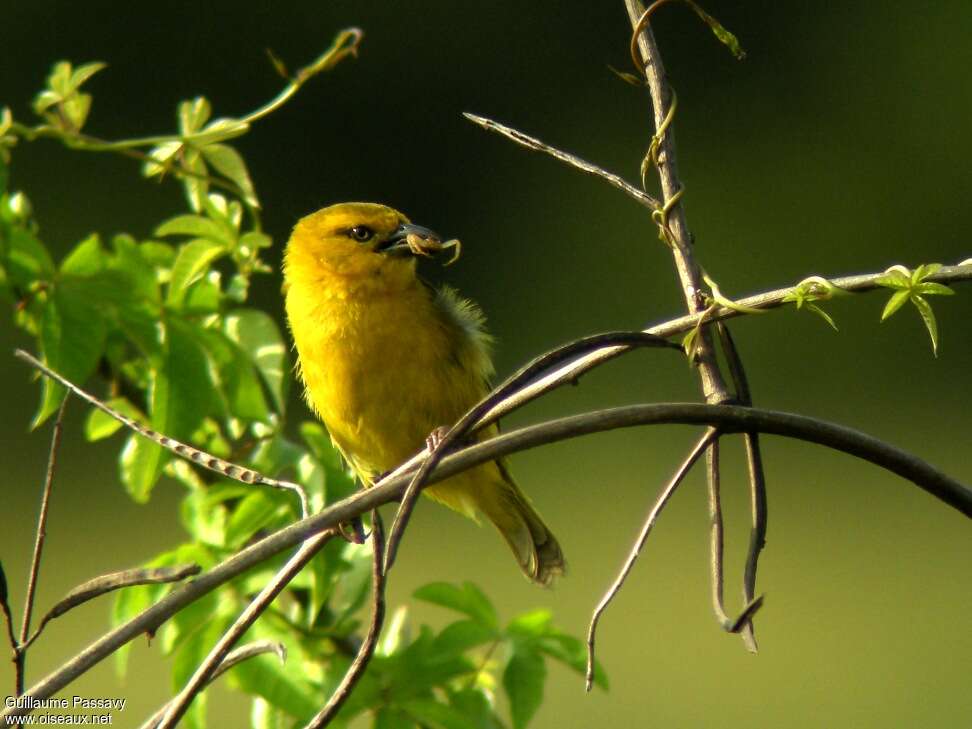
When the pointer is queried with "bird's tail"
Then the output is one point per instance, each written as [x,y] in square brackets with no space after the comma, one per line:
[535,547]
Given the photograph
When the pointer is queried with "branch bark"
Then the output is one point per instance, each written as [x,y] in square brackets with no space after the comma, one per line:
[728,418]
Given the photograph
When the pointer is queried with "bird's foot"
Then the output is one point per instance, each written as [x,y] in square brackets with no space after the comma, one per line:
[353,531]
[435,438]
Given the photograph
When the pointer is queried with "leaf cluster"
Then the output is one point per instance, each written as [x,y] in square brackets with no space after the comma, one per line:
[161,331]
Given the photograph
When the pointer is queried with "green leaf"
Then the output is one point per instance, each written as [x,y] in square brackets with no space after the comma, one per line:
[73,334]
[523,681]
[461,636]
[571,651]
[195,226]
[476,706]
[86,259]
[530,625]
[191,263]
[229,163]
[196,179]
[894,278]
[28,260]
[897,300]
[130,261]
[933,289]
[388,717]
[823,315]
[927,316]
[127,604]
[181,394]
[924,271]
[193,114]
[468,599]
[256,511]
[189,655]
[431,713]
[264,676]
[99,424]
[260,340]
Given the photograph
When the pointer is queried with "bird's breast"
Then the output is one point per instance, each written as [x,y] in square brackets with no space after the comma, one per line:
[379,368]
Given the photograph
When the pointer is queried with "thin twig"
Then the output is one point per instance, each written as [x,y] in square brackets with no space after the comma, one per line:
[674,221]
[367,649]
[187,452]
[468,422]
[715,532]
[20,654]
[206,670]
[104,584]
[728,418]
[757,481]
[659,504]
[767,300]
[574,161]
[237,656]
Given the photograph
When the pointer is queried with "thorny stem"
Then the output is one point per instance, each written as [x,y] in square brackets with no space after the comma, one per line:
[704,442]
[20,654]
[367,649]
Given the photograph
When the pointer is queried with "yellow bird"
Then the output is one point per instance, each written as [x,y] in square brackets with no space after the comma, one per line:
[386,360]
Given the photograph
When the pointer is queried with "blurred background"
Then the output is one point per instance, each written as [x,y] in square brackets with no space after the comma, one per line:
[840,145]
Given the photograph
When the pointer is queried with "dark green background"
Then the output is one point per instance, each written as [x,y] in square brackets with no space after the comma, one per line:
[841,145]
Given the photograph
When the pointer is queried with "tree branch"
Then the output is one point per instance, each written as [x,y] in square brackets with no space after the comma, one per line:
[525,140]
[700,447]
[728,418]
[367,650]
[176,708]
[20,650]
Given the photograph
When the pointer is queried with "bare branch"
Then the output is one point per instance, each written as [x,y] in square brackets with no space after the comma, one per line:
[20,655]
[710,435]
[237,656]
[176,708]
[468,422]
[728,418]
[188,452]
[109,583]
[367,649]
[535,144]
[757,481]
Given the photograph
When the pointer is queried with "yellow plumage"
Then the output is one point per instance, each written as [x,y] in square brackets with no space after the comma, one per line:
[386,360]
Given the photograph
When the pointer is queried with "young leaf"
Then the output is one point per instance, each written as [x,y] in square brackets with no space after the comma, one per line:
[99,425]
[898,299]
[86,259]
[927,316]
[193,260]
[229,163]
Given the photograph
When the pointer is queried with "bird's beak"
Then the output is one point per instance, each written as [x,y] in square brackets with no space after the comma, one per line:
[411,240]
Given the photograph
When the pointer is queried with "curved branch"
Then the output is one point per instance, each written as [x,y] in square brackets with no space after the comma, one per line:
[729,418]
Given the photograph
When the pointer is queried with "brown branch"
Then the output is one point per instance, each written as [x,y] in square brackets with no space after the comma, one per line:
[525,140]
[243,653]
[473,417]
[710,435]
[202,458]
[367,649]
[178,706]
[20,655]
[728,418]
[757,482]
[674,223]
[103,584]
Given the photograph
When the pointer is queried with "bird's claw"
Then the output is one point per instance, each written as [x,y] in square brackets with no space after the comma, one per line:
[353,531]
[436,437]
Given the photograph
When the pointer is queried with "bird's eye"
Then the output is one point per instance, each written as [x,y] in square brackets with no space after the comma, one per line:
[361,233]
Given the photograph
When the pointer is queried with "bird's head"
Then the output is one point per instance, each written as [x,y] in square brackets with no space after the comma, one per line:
[360,239]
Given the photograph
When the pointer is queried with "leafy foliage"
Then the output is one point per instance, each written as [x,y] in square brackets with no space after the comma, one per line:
[164,325]
[912,286]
